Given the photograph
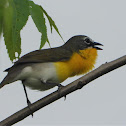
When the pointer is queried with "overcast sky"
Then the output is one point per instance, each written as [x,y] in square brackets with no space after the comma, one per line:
[103,101]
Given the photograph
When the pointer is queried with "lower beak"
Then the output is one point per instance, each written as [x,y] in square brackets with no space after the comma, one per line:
[95,44]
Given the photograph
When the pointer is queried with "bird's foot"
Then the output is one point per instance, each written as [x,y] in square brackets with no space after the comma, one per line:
[28,101]
[59,88]
[29,106]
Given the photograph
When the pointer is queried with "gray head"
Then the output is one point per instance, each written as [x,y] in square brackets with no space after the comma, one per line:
[81,42]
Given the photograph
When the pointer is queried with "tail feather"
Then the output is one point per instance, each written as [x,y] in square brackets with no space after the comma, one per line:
[12,74]
[3,82]
[8,79]
[1,85]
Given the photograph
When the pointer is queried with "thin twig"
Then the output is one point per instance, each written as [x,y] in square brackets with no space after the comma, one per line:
[78,84]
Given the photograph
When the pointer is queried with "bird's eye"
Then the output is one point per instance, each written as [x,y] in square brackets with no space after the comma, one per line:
[87,41]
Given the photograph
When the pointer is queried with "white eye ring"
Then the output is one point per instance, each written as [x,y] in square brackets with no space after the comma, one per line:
[87,41]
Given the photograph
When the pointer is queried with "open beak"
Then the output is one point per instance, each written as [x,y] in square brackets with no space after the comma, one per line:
[95,44]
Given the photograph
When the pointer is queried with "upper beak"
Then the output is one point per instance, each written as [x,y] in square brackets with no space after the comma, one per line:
[95,45]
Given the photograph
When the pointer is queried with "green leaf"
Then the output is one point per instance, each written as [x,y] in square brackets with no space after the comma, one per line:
[15,17]
[52,23]
[2,5]
[21,13]
[7,30]
[1,20]
[20,17]
[39,20]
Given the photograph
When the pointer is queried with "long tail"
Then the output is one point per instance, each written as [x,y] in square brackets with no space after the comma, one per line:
[5,81]
[1,85]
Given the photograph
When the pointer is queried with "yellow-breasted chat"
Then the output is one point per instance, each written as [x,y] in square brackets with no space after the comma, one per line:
[44,69]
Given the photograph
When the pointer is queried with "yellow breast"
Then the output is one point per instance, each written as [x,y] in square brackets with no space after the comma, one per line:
[79,63]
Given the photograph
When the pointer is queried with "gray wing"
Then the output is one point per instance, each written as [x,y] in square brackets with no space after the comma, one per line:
[38,56]
[46,55]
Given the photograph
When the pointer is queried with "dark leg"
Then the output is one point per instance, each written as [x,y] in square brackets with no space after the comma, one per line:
[28,101]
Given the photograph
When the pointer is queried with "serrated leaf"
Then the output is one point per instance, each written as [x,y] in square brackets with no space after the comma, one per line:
[39,20]
[22,13]
[43,41]
[48,43]
[2,5]
[7,30]
[51,22]
[1,20]
[20,17]
[15,17]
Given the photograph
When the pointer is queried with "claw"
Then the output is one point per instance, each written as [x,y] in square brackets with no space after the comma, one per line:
[59,88]
[64,97]
[29,105]
[28,102]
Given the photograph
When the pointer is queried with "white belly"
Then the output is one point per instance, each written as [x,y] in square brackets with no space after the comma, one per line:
[35,74]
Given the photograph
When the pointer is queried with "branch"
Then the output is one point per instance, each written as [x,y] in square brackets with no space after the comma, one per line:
[75,85]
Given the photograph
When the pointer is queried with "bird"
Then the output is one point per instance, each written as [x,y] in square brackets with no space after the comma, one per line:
[46,68]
